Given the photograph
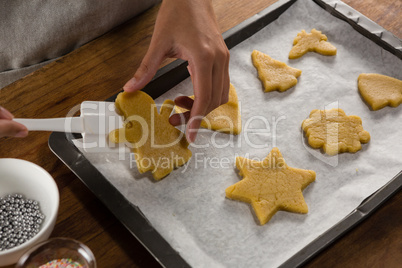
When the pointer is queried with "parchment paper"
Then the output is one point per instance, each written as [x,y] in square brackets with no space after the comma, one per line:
[189,207]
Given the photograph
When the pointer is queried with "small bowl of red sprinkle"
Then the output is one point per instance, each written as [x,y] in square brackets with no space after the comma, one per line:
[29,202]
[58,252]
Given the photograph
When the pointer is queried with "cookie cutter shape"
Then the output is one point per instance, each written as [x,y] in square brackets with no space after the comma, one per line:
[380,90]
[271,185]
[274,74]
[313,41]
[158,146]
[334,131]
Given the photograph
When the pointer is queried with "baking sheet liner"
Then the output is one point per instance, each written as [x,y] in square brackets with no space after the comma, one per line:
[189,209]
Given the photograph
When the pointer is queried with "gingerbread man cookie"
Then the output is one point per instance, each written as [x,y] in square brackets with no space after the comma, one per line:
[157,145]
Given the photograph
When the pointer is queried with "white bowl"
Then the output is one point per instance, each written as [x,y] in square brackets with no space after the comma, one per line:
[33,182]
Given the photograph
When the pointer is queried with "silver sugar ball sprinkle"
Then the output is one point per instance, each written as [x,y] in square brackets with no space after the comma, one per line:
[20,220]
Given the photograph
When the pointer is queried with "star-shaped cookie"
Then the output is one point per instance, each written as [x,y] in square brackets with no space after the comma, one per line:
[157,145]
[226,118]
[380,90]
[274,74]
[271,185]
[314,41]
[334,131]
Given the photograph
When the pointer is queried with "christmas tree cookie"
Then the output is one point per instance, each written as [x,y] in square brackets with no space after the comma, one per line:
[274,75]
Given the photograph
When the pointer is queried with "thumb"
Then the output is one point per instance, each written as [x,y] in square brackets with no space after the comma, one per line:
[12,129]
[144,74]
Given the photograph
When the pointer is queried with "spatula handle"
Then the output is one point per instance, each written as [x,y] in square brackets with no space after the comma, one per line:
[68,124]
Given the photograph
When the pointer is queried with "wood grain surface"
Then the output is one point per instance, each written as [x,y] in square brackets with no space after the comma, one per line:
[386,13]
[97,71]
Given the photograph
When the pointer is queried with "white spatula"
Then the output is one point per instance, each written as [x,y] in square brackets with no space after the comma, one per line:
[97,120]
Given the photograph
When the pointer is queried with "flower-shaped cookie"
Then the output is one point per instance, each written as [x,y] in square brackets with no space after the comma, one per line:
[158,146]
[271,185]
[334,131]
[314,41]
[380,90]
[274,74]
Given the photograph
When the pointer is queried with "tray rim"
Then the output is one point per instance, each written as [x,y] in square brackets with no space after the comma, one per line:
[172,74]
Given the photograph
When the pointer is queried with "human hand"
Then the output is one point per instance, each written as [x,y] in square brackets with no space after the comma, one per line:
[8,127]
[188,30]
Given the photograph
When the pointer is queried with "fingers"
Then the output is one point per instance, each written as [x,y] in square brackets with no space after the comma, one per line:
[220,78]
[5,114]
[184,102]
[210,77]
[225,95]
[9,127]
[179,119]
[197,113]
[182,118]
[226,81]
[201,68]
[148,67]
[12,129]
[188,30]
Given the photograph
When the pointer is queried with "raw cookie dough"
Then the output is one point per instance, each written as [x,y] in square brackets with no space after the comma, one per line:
[380,90]
[225,118]
[157,145]
[314,41]
[271,185]
[275,75]
[334,131]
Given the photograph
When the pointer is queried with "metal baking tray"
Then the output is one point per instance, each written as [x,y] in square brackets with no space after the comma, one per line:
[167,77]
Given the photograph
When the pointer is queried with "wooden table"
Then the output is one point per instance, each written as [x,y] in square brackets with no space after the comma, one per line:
[97,71]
